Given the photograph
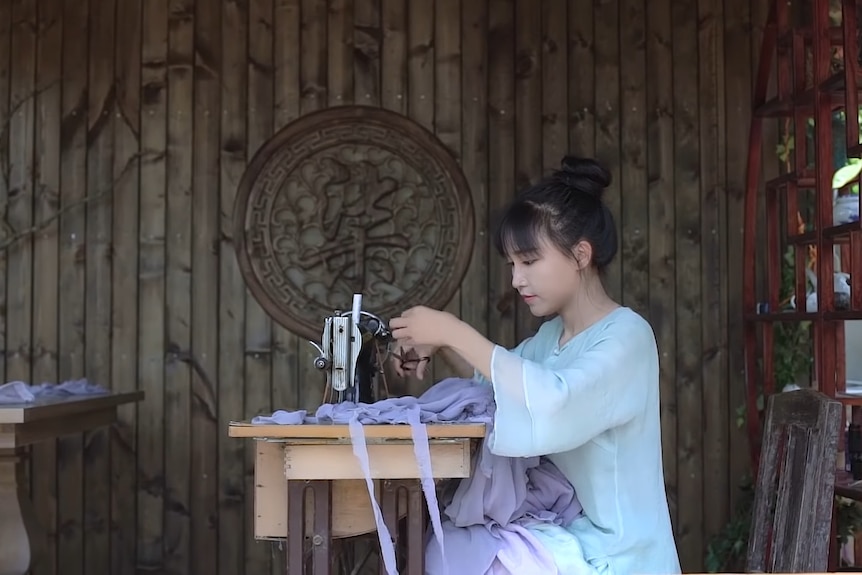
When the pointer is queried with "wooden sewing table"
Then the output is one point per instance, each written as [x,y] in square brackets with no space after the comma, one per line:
[292,460]
[22,424]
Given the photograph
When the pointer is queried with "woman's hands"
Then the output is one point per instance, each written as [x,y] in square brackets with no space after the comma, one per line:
[420,332]
[409,359]
[423,330]
[423,326]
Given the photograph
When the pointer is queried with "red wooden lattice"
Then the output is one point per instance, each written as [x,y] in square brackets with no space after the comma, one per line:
[808,72]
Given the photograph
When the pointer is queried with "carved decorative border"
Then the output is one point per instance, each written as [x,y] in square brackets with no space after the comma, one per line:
[299,144]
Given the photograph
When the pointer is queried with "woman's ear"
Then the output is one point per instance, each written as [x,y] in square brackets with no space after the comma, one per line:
[583,253]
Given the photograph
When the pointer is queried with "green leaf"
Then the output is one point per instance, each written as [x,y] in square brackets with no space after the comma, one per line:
[846,175]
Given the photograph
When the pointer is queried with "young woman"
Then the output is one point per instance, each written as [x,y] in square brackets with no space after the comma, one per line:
[584,390]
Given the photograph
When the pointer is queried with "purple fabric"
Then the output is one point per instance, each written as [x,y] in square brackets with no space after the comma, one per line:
[449,401]
[20,392]
[487,519]
[485,531]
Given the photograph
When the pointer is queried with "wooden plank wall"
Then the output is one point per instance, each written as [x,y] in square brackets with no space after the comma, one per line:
[126,125]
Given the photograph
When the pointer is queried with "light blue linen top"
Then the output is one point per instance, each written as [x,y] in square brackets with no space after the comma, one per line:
[592,406]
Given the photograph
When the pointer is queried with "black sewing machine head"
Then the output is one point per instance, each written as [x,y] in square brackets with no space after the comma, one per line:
[351,353]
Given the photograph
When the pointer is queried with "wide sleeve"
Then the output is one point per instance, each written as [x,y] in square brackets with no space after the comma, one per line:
[517,350]
[541,411]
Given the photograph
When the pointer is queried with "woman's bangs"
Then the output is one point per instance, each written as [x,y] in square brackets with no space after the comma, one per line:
[520,230]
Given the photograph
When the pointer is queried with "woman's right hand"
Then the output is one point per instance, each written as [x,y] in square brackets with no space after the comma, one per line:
[410,359]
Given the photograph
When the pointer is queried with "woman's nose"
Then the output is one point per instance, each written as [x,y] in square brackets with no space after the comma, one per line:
[517,279]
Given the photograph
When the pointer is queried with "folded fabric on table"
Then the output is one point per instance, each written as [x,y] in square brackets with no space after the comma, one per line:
[451,400]
[20,392]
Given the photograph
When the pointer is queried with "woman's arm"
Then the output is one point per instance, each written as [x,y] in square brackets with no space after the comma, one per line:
[460,345]
[543,410]
[458,364]
[472,348]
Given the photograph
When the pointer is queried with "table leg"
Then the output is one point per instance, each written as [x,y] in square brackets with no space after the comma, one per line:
[321,535]
[414,546]
[16,515]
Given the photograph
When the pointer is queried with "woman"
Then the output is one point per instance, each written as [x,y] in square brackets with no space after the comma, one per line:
[583,391]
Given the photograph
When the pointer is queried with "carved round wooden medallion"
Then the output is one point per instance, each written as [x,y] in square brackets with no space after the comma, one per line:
[350,200]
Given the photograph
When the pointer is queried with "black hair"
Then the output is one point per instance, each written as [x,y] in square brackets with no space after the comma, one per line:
[566,207]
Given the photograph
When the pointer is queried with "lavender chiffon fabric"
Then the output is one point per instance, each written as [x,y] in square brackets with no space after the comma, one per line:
[452,400]
[20,392]
[485,529]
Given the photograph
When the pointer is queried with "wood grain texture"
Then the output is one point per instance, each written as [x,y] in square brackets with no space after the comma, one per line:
[158,106]
[796,471]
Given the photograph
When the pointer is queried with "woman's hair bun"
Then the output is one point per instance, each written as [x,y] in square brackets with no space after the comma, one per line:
[583,175]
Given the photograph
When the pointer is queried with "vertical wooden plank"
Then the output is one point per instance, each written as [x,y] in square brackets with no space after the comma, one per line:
[581,75]
[634,224]
[286,88]
[313,90]
[501,159]
[528,120]
[313,69]
[420,63]
[45,270]
[555,83]
[688,297]
[19,217]
[339,52]
[151,285]
[100,171]
[231,393]
[73,188]
[20,176]
[393,70]
[713,269]
[660,174]
[393,59]
[366,51]
[5,122]
[287,62]
[258,328]
[447,111]
[737,97]
[178,258]
[607,129]
[474,154]
[420,103]
[124,340]
[205,432]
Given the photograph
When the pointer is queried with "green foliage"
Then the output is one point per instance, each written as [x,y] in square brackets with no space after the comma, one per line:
[792,355]
[849,518]
[727,550]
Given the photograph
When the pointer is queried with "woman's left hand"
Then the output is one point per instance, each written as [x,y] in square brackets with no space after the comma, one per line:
[422,325]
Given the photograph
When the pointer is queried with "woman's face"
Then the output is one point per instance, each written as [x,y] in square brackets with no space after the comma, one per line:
[547,280]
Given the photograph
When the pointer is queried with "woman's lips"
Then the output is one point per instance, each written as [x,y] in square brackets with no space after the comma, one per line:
[528,298]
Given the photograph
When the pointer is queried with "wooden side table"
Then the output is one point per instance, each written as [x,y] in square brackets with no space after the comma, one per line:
[22,424]
[292,460]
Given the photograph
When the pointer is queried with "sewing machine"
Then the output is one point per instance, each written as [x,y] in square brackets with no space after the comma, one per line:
[293,459]
[351,352]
